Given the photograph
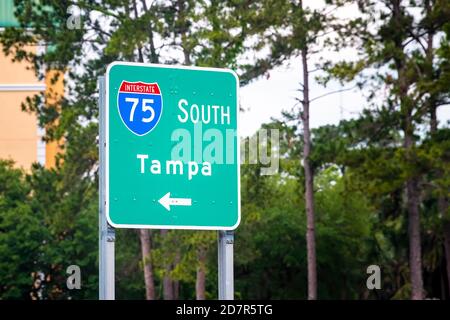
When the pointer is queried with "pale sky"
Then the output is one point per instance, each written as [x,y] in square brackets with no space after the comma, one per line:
[266,98]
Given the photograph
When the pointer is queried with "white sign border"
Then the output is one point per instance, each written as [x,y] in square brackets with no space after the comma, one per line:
[106,148]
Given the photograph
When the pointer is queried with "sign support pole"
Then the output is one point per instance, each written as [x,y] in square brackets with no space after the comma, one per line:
[225,260]
[107,234]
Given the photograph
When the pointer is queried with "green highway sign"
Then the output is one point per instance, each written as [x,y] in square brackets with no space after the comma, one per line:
[171,151]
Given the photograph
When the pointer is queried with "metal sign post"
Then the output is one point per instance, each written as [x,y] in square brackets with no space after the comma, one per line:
[106,232]
[225,261]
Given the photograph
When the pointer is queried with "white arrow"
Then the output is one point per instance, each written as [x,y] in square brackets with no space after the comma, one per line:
[166,201]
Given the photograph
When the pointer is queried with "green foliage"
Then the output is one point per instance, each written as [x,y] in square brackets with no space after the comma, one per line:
[270,244]
[21,234]
[44,230]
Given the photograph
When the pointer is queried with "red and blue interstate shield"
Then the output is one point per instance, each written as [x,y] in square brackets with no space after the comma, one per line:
[140,106]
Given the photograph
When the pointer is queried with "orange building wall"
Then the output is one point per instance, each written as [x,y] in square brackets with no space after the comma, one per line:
[54,93]
[16,72]
[19,137]
[18,129]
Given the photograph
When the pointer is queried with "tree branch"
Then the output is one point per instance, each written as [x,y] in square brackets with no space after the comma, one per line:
[417,38]
[315,70]
[332,92]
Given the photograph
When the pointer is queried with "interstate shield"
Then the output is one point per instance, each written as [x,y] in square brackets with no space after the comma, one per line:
[140,106]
